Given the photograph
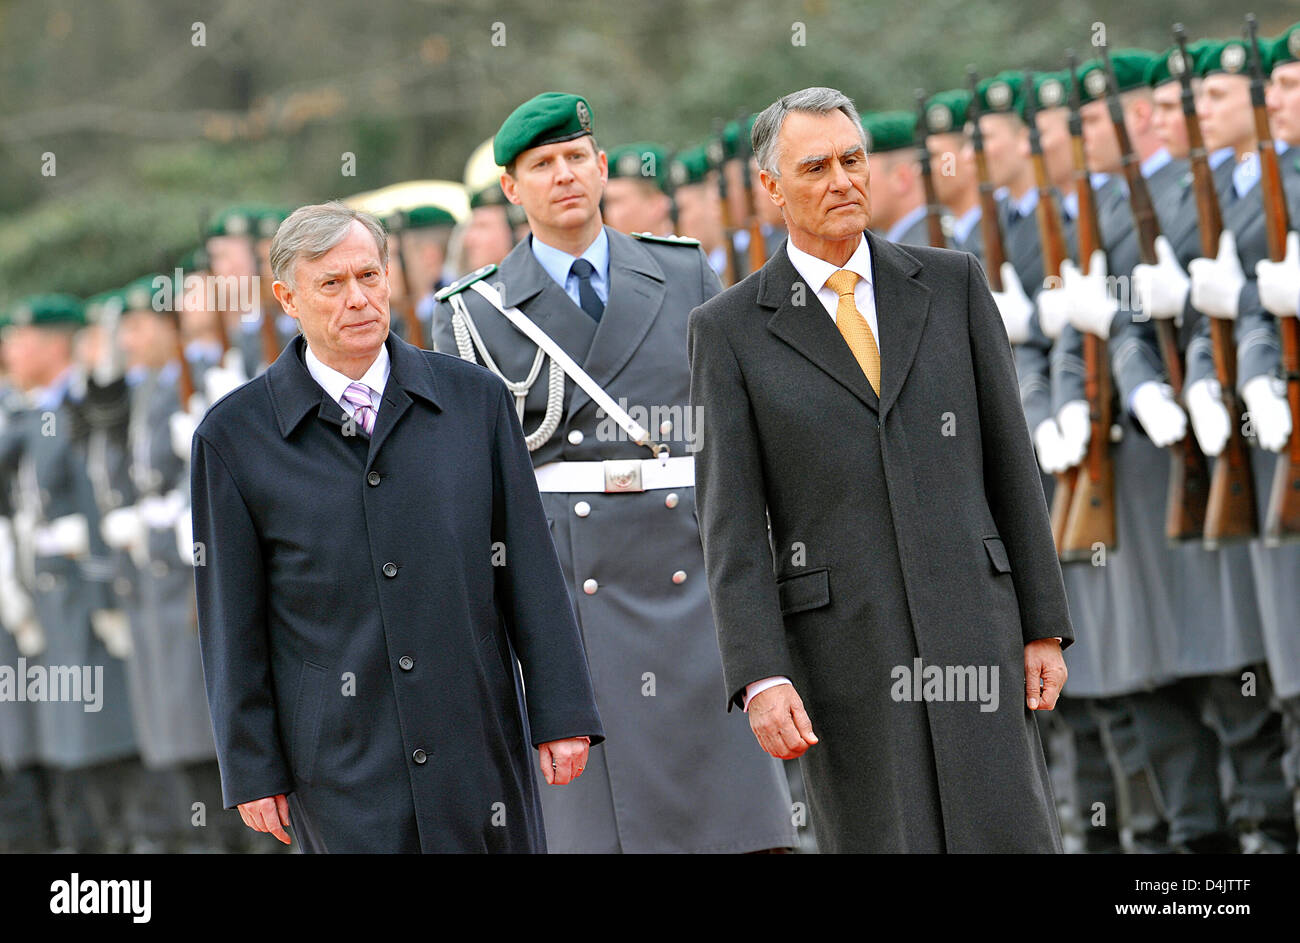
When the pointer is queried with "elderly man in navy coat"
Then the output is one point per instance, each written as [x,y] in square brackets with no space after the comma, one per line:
[373,567]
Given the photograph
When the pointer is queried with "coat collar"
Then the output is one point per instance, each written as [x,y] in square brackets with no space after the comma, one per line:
[295,393]
[902,307]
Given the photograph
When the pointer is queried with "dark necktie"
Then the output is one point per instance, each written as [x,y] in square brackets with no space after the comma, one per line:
[587,297]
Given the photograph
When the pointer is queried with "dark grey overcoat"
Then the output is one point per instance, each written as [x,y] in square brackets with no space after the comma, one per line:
[907,526]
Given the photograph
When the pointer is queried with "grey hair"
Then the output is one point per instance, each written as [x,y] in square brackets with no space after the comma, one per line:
[311,231]
[815,101]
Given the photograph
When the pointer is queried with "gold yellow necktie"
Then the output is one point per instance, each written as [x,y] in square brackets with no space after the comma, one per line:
[854,327]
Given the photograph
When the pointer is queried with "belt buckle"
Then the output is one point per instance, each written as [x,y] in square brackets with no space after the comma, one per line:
[622,475]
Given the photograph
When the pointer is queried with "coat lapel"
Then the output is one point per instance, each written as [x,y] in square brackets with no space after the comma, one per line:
[636,295]
[902,307]
[410,374]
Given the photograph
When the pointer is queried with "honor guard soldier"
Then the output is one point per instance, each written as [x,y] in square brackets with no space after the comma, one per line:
[424,252]
[489,235]
[897,192]
[587,327]
[699,208]
[636,195]
[953,160]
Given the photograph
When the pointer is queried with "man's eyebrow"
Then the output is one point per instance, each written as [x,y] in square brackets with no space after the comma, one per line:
[855,149]
[811,159]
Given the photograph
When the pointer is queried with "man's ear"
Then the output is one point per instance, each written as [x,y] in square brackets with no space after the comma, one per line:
[510,189]
[773,187]
[286,296]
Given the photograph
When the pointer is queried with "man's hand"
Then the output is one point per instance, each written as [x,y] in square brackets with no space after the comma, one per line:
[1044,674]
[267,815]
[1162,288]
[1217,282]
[778,720]
[1092,309]
[1014,306]
[1076,429]
[563,760]
[1210,419]
[1279,282]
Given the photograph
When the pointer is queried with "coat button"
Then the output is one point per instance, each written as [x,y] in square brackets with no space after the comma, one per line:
[390,570]
[671,500]
[419,756]
[576,437]
[590,587]
[679,577]
[407,662]
[373,479]
[582,509]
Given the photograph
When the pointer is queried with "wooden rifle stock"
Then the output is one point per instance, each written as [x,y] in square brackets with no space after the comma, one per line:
[1230,508]
[717,150]
[1189,474]
[990,229]
[1091,519]
[933,210]
[1282,519]
[757,250]
[409,319]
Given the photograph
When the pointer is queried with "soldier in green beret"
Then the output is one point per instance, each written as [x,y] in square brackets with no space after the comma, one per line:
[897,192]
[681,775]
[489,235]
[952,164]
[425,237]
[699,206]
[636,195]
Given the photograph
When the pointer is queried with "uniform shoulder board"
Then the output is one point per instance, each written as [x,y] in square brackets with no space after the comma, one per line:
[463,283]
[666,240]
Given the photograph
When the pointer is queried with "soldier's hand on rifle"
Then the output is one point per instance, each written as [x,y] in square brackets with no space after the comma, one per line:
[1161,289]
[1050,448]
[1014,305]
[1053,306]
[113,630]
[182,426]
[1162,418]
[1091,307]
[1268,412]
[1279,282]
[1210,420]
[1076,430]
[1217,282]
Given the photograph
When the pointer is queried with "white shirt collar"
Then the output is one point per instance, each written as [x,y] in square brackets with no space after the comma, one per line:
[815,271]
[335,383]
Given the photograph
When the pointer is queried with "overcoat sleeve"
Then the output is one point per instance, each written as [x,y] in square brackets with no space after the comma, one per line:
[730,497]
[533,597]
[233,634]
[1012,483]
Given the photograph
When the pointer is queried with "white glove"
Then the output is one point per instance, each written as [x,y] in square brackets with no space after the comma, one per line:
[30,638]
[1217,282]
[1162,418]
[182,427]
[113,630]
[160,513]
[1210,419]
[1269,412]
[185,537]
[1053,309]
[1014,305]
[15,604]
[1161,289]
[1047,442]
[67,536]
[1091,308]
[1279,282]
[219,381]
[1076,429]
[122,528]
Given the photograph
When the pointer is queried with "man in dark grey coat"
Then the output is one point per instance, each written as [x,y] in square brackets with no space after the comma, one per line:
[915,601]
[372,560]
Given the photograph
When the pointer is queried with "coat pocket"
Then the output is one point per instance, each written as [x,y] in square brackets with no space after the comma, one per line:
[810,590]
[306,720]
[997,554]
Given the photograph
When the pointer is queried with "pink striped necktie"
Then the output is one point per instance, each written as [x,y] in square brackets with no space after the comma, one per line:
[358,395]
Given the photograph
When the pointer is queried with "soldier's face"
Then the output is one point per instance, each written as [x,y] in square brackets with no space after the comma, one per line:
[146,339]
[1006,148]
[231,255]
[1054,138]
[1223,108]
[951,166]
[1283,99]
[341,299]
[699,213]
[634,206]
[1100,145]
[1167,118]
[824,186]
[487,238]
[559,185]
[35,356]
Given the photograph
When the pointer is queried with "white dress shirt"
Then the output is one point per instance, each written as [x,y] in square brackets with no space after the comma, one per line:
[335,383]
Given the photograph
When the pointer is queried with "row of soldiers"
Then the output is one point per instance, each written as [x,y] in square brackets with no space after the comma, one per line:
[1181,725]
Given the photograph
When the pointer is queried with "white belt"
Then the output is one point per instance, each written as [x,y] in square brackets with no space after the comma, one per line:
[633,474]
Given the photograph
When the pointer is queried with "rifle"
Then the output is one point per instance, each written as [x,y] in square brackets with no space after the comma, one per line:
[396,224]
[221,320]
[933,210]
[1051,236]
[1092,509]
[757,251]
[1230,512]
[718,159]
[1282,519]
[1189,475]
[266,297]
[990,229]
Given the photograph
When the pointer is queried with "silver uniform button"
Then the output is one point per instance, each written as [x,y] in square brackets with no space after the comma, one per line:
[590,587]
[576,437]
[671,500]
[582,509]
[679,577]
[666,427]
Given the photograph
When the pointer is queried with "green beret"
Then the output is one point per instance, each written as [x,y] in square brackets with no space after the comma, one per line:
[1050,90]
[269,220]
[1167,66]
[196,260]
[426,217]
[688,167]
[889,130]
[138,294]
[945,112]
[53,310]
[234,221]
[1000,94]
[644,161]
[1286,48]
[1230,57]
[489,196]
[1131,67]
[547,118]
